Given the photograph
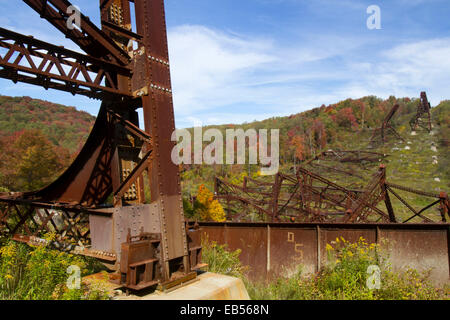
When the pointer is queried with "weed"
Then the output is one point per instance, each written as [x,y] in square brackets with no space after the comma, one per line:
[345,276]
[34,273]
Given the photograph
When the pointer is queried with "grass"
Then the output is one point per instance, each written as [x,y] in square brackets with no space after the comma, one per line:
[345,277]
[221,260]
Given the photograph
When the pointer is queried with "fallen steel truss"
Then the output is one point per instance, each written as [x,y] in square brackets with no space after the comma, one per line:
[345,162]
[309,197]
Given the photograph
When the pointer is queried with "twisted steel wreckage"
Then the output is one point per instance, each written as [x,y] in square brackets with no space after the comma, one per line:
[328,196]
[309,196]
[151,245]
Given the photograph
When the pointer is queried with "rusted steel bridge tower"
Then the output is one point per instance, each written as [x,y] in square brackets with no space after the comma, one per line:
[423,116]
[380,135]
[146,240]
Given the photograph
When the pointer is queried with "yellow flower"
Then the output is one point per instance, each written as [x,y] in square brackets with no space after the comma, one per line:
[8,276]
[337,239]
[329,248]
[350,254]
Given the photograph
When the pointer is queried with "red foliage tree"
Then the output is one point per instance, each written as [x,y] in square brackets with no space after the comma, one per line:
[298,142]
[346,118]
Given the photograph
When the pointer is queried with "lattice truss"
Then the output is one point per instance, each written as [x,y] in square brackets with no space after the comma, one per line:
[71,227]
[25,59]
[117,153]
[22,213]
[346,167]
[422,118]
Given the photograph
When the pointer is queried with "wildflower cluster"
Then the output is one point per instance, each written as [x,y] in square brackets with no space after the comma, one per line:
[35,272]
[346,276]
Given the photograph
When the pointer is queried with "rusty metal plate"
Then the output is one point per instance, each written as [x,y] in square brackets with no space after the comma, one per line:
[275,249]
[101,230]
[138,80]
[211,233]
[253,243]
[421,250]
[293,248]
[136,218]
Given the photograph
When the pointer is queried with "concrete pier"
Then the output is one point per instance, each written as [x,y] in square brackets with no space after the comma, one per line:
[207,286]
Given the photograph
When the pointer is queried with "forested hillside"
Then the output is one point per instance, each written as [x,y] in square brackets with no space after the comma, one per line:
[348,125]
[63,126]
[38,140]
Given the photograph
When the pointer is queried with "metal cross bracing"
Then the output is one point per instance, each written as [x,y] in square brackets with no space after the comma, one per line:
[98,207]
[381,135]
[422,118]
[304,197]
[348,163]
[25,59]
[310,197]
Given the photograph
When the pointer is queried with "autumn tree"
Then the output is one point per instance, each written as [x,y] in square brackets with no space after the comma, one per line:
[345,118]
[8,162]
[30,161]
[360,110]
[298,142]
[207,207]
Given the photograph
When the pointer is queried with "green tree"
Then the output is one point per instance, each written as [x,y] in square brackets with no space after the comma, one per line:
[30,161]
[38,161]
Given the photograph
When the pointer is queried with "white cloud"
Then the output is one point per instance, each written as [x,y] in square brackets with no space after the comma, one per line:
[207,63]
[221,77]
[407,69]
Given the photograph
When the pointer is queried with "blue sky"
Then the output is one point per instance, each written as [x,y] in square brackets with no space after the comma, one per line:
[234,61]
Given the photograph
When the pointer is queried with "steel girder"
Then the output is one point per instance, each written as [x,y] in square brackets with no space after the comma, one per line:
[29,60]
